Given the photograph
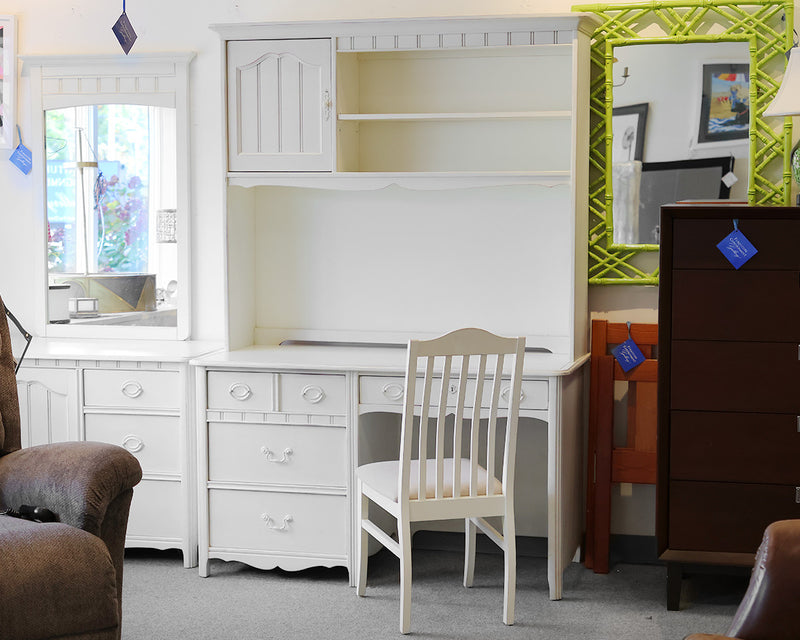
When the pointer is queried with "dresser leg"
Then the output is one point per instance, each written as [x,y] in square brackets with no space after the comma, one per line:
[674,580]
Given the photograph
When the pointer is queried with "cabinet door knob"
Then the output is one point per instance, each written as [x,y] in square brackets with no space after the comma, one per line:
[313,393]
[393,391]
[507,391]
[270,523]
[240,391]
[270,457]
[133,443]
[327,104]
[132,389]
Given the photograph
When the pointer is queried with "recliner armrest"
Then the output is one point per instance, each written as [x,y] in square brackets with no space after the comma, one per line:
[76,480]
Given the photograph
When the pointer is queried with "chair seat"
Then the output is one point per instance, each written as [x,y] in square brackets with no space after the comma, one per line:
[55,580]
[382,477]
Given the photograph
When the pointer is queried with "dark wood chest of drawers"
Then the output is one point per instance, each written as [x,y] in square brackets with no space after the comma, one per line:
[729,385]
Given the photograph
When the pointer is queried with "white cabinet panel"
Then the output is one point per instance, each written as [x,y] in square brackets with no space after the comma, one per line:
[279,103]
[48,405]
[156,514]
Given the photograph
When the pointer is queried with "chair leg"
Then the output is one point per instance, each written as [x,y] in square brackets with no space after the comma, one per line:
[469,551]
[363,544]
[404,536]
[510,586]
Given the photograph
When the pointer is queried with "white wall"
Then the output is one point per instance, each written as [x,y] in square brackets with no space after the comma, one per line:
[84,27]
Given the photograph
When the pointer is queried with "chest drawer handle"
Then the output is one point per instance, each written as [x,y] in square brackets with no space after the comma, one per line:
[240,391]
[507,390]
[393,391]
[132,389]
[270,523]
[313,393]
[270,457]
[133,443]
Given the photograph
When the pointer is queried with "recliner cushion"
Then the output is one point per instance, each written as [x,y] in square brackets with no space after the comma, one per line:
[54,580]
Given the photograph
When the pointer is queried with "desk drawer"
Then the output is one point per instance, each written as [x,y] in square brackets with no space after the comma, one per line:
[154,440]
[312,393]
[277,454]
[389,390]
[157,511]
[134,389]
[278,522]
[241,390]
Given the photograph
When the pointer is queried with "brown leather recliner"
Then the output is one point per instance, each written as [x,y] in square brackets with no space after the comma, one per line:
[60,579]
[767,611]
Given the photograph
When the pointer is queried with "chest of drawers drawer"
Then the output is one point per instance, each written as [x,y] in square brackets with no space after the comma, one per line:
[132,389]
[285,392]
[277,454]
[154,440]
[389,390]
[278,522]
[726,516]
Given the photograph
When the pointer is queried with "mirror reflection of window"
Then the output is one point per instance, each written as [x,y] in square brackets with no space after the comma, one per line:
[111,170]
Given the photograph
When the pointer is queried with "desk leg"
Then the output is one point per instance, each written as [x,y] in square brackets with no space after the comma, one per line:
[564,476]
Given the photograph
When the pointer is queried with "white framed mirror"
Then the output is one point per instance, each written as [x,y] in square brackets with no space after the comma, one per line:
[113,195]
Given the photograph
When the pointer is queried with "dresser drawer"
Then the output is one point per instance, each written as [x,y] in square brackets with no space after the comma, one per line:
[241,390]
[312,393]
[154,440]
[277,454]
[278,522]
[139,389]
[726,516]
[695,242]
[734,447]
[736,305]
[735,376]
[389,390]
[157,511]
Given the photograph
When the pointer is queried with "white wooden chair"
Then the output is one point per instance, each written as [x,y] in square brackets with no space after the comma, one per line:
[470,363]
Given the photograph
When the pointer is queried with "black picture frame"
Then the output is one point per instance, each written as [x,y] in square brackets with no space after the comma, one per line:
[724,102]
[628,127]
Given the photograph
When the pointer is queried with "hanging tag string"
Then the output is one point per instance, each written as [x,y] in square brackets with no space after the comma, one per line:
[735,224]
[19,134]
[123,6]
[629,329]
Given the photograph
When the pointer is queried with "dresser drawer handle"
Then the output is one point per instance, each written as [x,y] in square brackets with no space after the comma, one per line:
[507,391]
[133,443]
[270,457]
[313,393]
[270,523]
[132,389]
[393,391]
[240,391]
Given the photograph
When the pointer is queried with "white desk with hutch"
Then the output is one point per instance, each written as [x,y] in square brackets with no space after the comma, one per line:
[389,179]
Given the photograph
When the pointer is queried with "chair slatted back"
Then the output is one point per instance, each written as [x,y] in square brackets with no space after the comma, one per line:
[451,365]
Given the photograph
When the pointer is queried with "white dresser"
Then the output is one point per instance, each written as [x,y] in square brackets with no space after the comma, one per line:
[135,394]
[369,162]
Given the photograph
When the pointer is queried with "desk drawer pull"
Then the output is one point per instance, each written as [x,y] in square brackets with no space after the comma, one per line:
[270,523]
[393,391]
[132,389]
[270,457]
[240,391]
[133,443]
[507,391]
[313,393]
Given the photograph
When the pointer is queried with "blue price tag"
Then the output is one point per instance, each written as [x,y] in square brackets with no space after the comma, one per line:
[22,158]
[628,355]
[737,248]
[124,31]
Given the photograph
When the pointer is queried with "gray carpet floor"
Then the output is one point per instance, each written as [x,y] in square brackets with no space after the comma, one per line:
[162,600]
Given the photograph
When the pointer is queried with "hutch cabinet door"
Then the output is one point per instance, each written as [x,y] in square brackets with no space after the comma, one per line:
[48,405]
[280,110]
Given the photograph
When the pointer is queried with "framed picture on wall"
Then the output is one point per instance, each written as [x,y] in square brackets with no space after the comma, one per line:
[724,102]
[8,80]
[628,125]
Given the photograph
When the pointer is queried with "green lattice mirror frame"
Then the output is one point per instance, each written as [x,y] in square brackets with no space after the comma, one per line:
[761,24]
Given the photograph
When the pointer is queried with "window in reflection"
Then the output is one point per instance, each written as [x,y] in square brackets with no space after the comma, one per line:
[111,172]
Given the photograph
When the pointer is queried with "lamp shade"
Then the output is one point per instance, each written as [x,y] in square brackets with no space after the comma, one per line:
[787,101]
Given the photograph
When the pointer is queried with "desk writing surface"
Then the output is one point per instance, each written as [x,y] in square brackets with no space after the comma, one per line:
[366,359]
